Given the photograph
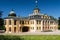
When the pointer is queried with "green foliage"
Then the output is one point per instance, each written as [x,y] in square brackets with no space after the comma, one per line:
[2,37]
[59,23]
[1,24]
[59,27]
[1,13]
[2,28]
[1,21]
[30,37]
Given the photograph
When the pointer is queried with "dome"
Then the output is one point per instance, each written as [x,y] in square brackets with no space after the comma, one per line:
[36,8]
[12,13]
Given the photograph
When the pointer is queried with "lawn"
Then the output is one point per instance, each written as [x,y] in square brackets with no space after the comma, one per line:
[30,37]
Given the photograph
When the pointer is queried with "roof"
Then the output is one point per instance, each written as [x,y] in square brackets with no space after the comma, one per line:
[12,13]
[16,18]
[36,8]
[33,17]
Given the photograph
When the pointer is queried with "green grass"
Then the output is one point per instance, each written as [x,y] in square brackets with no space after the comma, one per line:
[31,37]
[42,37]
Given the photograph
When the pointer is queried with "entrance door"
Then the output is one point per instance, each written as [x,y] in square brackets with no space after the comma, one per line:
[25,29]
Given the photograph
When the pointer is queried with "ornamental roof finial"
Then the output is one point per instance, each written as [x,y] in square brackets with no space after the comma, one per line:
[36,3]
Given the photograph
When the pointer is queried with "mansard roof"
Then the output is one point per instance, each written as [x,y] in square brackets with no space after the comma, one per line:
[16,18]
[33,17]
[37,17]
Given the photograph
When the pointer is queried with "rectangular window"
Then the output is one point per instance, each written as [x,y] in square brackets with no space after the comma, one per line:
[48,27]
[37,28]
[28,22]
[9,22]
[10,29]
[51,27]
[20,22]
[32,27]
[37,21]
[14,22]
[51,22]
[32,22]
[14,29]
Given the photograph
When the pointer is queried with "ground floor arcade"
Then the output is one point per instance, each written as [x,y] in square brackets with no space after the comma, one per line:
[27,29]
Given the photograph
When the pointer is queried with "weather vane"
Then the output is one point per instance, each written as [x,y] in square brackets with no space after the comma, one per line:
[36,3]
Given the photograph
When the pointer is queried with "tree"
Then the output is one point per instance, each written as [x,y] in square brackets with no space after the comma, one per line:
[59,23]
[1,21]
[1,13]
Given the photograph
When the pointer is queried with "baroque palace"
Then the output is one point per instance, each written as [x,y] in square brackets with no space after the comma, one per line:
[35,22]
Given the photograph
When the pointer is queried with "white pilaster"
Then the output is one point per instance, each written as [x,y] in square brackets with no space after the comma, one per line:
[35,25]
[49,25]
[41,25]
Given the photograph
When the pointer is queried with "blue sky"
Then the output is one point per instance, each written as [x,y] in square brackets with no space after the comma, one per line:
[25,7]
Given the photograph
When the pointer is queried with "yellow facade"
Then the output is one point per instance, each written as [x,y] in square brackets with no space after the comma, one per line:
[36,22]
[32,25]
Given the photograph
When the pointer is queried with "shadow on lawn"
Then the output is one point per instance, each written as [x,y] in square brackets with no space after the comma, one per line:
[6,37]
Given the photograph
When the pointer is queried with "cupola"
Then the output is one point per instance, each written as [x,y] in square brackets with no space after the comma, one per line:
[12,13]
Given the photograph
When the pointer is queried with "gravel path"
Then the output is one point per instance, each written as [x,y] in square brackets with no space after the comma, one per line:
[33,33]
